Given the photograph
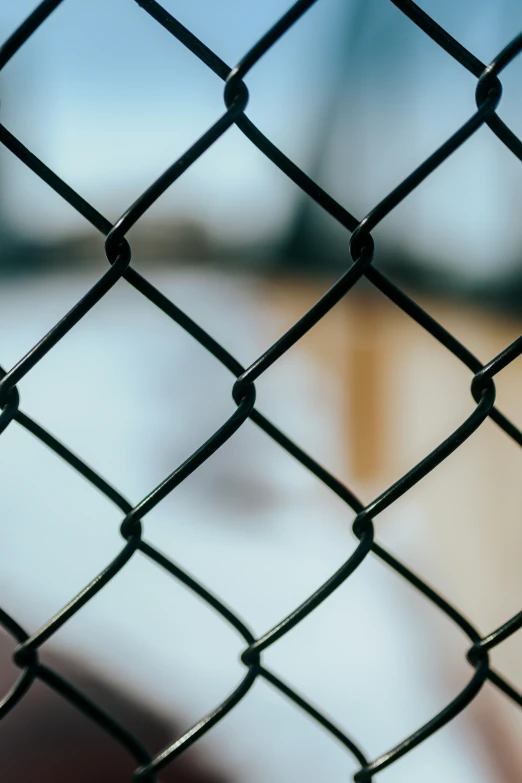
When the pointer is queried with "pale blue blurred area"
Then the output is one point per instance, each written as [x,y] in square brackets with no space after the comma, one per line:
[251,524]
[109,99]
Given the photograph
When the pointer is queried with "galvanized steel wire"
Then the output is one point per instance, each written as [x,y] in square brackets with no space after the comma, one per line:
[360,264]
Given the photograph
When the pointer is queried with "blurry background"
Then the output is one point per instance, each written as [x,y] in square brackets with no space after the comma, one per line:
[358,97]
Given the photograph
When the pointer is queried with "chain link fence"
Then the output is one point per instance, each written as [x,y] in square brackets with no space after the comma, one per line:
[361,250]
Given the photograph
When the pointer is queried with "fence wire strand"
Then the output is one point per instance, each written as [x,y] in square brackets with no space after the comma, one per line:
[361,249]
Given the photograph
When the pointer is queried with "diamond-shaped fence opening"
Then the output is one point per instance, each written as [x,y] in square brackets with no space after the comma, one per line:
[242,387]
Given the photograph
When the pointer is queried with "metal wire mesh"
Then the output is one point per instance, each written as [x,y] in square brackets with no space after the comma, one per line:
[488,94]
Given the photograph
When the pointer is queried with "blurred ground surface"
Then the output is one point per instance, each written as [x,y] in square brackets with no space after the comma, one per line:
[134,395]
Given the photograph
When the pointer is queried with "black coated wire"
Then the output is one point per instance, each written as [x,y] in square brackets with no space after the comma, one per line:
[360,264]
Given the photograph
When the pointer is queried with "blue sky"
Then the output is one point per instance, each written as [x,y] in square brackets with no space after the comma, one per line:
[108,99]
